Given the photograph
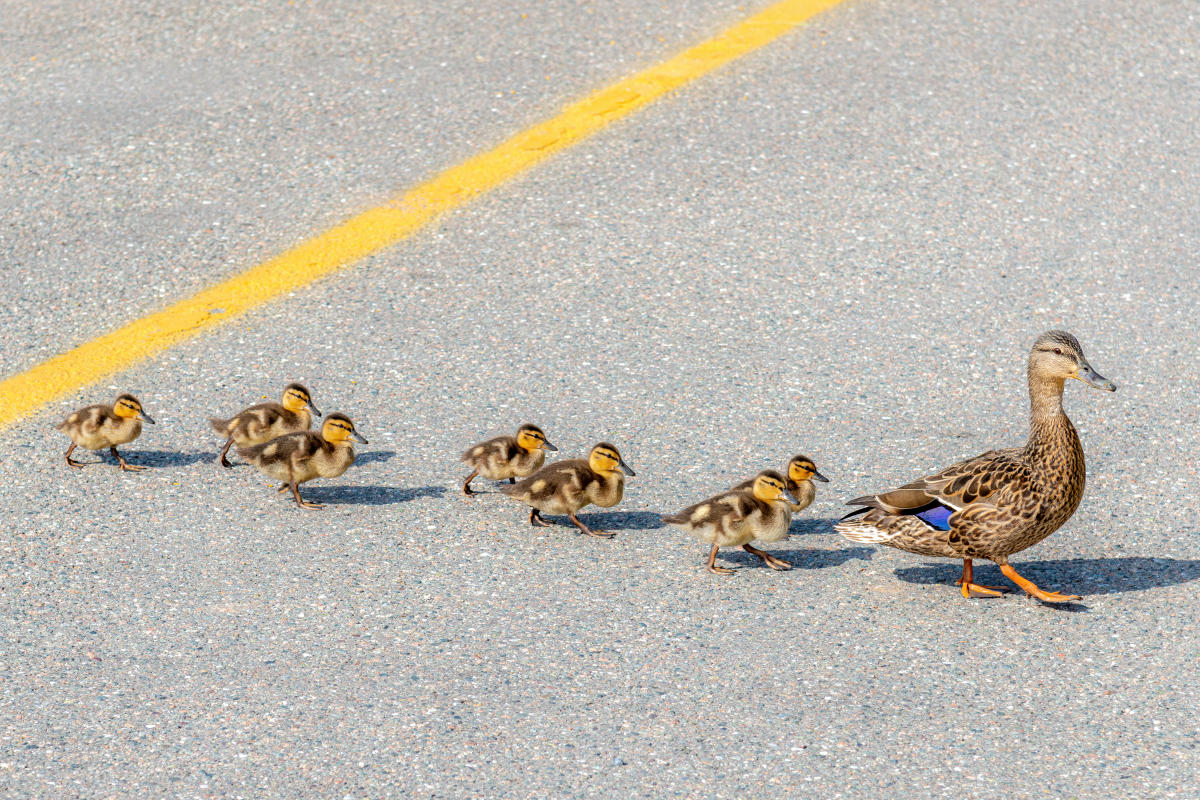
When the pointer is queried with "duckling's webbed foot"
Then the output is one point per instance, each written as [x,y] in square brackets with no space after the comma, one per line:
[535,519]
[768,559]
[1031,588]
[283,487]
[125,465]
[712,567]
[598,534]
[72,462]
[224,461]
[300,501]
[467,490]
[968,585]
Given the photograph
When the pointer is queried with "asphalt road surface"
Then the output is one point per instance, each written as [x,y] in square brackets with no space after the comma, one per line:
[841,245]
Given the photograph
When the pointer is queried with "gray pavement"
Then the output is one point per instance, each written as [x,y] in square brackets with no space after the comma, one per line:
[842,245]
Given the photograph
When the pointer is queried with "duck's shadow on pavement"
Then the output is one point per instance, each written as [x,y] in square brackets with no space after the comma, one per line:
[370,495]
[1082,576]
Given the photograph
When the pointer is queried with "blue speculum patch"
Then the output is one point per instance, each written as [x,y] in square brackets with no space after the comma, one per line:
[937,517]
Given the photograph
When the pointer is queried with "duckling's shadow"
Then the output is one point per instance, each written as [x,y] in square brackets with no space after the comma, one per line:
[807,558]
[623,520]
[811,525]
[370,495]
[374,455]
[1083,576]
[156,458]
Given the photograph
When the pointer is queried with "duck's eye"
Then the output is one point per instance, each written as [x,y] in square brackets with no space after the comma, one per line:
[1058,351]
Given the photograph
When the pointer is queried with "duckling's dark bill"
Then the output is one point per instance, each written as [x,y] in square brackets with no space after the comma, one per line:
[628,470]
[820,477]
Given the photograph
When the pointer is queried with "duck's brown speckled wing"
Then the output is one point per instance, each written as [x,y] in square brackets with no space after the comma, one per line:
[995,472]
[980,497]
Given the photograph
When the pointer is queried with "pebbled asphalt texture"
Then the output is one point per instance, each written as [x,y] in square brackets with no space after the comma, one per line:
[842,245]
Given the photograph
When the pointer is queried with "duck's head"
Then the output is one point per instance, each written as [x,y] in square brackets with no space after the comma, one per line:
[297,397]
[769,485]
[130,407]
[802,468]
[338,428]
[606,459]
[1057,355]
[530,437]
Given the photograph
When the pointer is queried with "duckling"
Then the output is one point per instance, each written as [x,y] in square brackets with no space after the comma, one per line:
[298,457]
[800,472]
[99,426]
[564,487]
[261,423]
[738,517]
[509,457]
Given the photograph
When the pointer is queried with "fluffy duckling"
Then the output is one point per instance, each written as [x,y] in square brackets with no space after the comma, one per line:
[564,487]
[509,457]
[261,423]
[99,426]
[738,517]
[800,474]
[298,457]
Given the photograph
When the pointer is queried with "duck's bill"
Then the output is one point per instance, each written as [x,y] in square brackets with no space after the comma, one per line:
[1093,378]
[790,495]
[820,477]
[547,446]
[358,437]
[144,417]
[316,411]
[628,470]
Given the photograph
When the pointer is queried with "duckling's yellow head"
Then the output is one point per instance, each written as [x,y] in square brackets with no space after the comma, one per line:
[768,485]
[802,468]
[130,407]
[530,437]
[296,397]
[338,428]
[605,458]
[1057,355]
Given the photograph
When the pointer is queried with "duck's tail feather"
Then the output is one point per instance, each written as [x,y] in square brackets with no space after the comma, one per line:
[858,530]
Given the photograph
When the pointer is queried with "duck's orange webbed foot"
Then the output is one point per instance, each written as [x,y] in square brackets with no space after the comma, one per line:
[967,582]
[1032,590]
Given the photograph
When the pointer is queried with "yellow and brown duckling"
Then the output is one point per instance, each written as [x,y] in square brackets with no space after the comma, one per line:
[261,423]
[508,457]
[564,487]
[1003,501]
[759,510]
[800,473]
[298,457]
[99,426]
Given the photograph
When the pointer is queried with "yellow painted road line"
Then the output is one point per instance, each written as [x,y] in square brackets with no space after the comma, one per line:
[377,228]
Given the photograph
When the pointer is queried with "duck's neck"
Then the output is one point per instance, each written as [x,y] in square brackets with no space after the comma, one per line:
[1052,437]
